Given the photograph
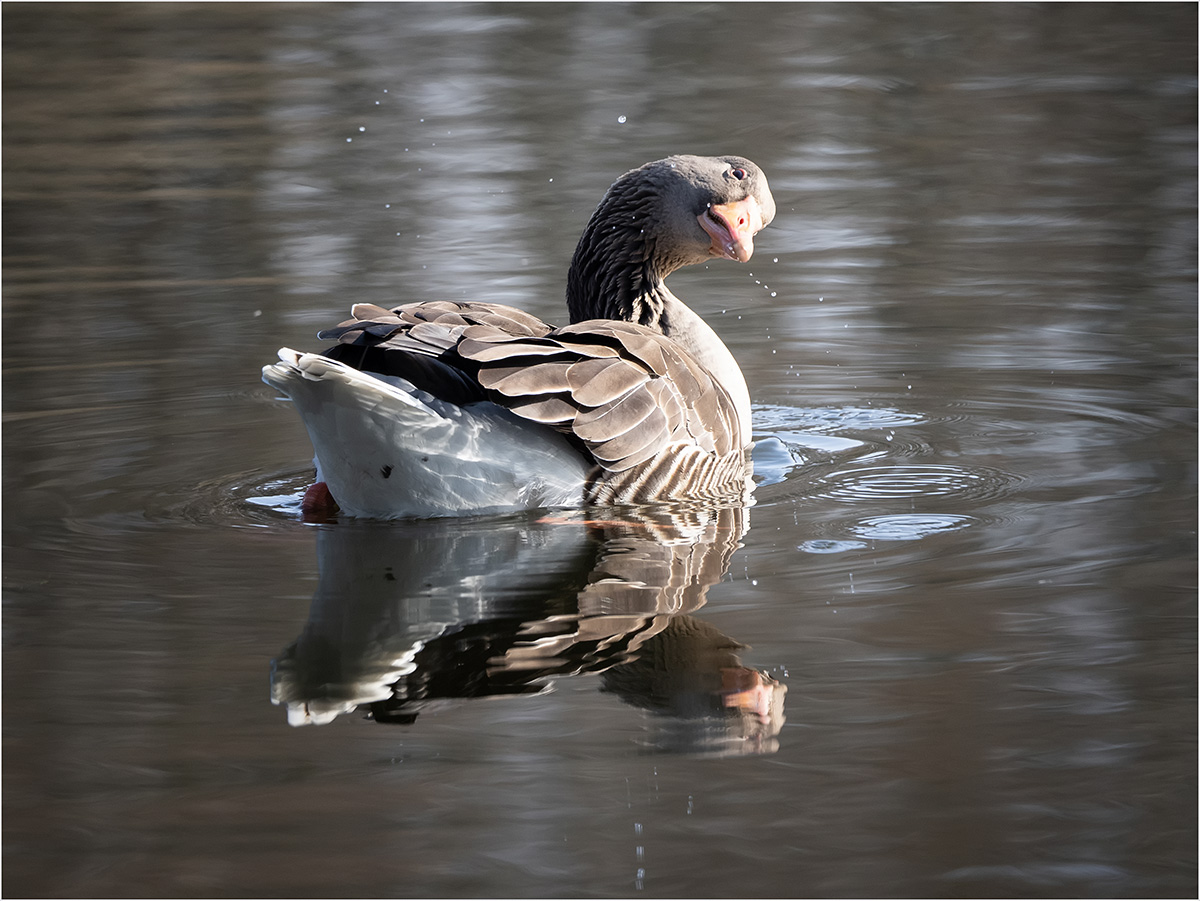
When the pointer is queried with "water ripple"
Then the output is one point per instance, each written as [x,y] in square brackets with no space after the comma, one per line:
[910,526]
[253,498]
[772,418]
[917,480]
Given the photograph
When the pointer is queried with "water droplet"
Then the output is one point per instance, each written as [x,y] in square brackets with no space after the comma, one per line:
[348,140]
[552,179]
[362,128]
[772,293]
[776,260]
[387,206]
[621,119]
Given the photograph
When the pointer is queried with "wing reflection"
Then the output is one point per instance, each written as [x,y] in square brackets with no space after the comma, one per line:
[411,615]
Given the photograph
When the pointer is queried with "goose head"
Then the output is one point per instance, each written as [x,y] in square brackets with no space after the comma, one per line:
[727,197]
[667,214]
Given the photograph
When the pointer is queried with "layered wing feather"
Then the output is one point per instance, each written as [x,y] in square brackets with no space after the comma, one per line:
[654,421]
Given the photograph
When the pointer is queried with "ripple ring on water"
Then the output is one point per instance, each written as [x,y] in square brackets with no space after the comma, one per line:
[929,480]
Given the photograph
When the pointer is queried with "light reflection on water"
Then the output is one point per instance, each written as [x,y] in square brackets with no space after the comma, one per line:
[971,562]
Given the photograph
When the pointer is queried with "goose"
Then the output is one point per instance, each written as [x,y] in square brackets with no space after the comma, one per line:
[444,408]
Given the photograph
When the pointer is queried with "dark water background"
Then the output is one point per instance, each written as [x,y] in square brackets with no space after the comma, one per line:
[971,340]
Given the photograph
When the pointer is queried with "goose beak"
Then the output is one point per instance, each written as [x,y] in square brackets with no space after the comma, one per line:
[732,227]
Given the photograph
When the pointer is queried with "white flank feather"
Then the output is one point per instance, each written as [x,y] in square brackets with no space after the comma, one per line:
[389,450]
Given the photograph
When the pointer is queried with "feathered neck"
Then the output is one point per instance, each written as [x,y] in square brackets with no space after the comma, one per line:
[622,258]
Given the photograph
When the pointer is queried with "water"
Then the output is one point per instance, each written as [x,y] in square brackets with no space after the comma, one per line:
[951,650]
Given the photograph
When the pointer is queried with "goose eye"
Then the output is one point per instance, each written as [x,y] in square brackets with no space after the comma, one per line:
[738,173]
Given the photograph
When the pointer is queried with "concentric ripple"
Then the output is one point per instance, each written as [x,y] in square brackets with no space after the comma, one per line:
[245,499]
[909,526]
[830,546]
[916,480]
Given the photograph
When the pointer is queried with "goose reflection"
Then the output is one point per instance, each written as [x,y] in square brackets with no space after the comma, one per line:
[412,615]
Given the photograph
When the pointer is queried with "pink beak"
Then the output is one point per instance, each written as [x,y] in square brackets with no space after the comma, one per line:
[732,227]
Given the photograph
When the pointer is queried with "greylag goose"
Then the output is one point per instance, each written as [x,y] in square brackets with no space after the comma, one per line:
[443,408]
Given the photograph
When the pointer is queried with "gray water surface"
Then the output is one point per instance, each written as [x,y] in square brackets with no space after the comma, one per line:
[949,651]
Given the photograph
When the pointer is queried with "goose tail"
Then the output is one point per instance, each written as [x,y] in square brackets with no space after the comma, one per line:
[387,449]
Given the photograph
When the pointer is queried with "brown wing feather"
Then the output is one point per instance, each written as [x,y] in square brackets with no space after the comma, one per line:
[596,382]
[634,340]
[648,435]
[525,380]
[498,347]
[553,410]
[628,393]
[607,422]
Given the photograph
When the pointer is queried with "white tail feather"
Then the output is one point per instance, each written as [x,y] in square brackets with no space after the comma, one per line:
[388,450]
